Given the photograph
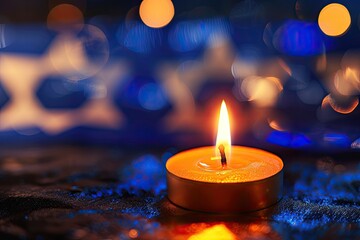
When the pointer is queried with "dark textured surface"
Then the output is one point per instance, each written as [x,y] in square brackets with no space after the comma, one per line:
[89,193]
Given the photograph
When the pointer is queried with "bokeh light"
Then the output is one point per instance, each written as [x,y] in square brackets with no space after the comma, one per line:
[288,139]
[156,13]
[132,17]
[179,83]
[186,36]
[344,106]
[139,38]
[263,91]
[6,35]
[297,38]
[152,97]
[276,125]
[337,139]
[334,19]
[219,57]
[82,55]
[347,82]
[201,54]
[356,144]
[133,233]
[194,34]
[65,17]
[241,68]
[351,59]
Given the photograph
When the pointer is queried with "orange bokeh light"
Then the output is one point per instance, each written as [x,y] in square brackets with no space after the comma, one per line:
[156,13]
[347,108]
[334,19]
[65,17]
[133,233]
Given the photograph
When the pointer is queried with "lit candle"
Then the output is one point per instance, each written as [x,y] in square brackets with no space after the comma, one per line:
[224,178]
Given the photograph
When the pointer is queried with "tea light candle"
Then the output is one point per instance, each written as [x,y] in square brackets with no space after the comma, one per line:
[224,178]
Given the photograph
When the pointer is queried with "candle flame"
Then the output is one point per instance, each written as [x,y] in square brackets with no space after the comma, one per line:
[223,134]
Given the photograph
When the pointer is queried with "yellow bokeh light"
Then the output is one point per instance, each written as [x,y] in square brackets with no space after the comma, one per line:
[263,91]
[334,19]
[156,13]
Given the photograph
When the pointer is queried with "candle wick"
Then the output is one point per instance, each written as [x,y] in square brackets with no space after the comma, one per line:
[222,154]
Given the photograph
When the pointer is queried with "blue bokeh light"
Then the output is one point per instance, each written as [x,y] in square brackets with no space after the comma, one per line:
[299,38]
[139,38]
[337,139]
[152,97]
[26,39]
[191,35]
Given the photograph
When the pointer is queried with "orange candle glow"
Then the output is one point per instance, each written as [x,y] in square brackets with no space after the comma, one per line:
[224,178]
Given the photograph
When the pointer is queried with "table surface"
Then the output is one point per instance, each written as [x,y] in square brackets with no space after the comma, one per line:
[108,193]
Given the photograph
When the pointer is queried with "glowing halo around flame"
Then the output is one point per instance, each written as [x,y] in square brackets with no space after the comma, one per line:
[223,135]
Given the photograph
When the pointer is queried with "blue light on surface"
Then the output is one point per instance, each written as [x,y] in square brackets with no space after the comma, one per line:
[144,178]
[287,139]
[300,140]
[145,174]
[147,210]
[279,138]
[319,197]
[327,189]
[302,218]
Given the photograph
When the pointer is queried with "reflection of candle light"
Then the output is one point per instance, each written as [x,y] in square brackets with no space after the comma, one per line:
[236,179]
[219,231]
